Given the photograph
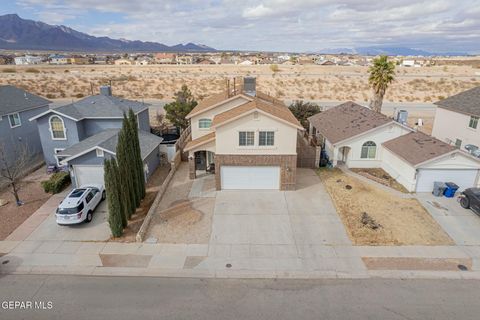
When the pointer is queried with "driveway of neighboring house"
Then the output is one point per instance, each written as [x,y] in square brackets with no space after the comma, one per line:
[462,225]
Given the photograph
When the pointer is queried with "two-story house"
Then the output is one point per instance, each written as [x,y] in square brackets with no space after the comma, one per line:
[16,107]
[457,119]
[249,136]
[82,134]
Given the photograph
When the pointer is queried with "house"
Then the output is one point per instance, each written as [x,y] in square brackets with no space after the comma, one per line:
[81,134]
[457,117]
[165,58]
[27,59]
[123,62]
[143,61]
[79,60]
[60,59]
[249,136]
[357,137]
[16,107]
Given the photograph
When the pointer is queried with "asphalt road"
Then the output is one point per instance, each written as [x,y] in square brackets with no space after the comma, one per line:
[85,297]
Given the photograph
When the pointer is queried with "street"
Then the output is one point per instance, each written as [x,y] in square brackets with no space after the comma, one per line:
[87,297]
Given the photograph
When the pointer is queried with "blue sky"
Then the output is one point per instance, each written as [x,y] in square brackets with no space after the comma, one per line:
[276,25]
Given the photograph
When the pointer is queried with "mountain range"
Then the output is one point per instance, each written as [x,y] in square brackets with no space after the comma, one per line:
[18,33]
[390,51]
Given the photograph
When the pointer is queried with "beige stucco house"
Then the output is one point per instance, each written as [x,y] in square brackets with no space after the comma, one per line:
[457,119]
[358,137]
[248,136]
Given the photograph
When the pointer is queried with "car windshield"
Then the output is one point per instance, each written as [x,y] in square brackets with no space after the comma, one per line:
[77,193]
[71,210]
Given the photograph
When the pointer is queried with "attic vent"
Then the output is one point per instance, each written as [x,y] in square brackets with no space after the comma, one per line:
[255,115]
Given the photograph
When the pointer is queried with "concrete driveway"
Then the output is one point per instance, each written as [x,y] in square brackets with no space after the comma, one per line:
[462,225]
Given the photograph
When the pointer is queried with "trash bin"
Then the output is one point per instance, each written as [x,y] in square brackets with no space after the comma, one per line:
[450,189]
[438,188]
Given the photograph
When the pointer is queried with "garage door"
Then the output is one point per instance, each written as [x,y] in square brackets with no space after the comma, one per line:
[238,177]
[85,175]
[463,178]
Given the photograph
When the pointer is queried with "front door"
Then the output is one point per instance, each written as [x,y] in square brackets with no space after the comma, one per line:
[200,160]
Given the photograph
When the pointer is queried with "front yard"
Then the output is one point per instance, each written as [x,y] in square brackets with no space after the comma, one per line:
[376,217]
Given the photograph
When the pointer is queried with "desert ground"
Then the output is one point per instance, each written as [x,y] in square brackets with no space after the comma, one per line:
[290,82]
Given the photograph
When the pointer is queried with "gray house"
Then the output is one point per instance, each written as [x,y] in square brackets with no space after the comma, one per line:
[16,107]
[82,134]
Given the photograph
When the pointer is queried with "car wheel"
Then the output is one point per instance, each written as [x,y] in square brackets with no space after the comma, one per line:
[465,202]
[104,195]
[89,217]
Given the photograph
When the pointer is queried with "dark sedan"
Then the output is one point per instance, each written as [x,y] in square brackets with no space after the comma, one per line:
[470,199]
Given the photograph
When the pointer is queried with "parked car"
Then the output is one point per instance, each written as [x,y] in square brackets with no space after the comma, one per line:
[80,204]
[470,199]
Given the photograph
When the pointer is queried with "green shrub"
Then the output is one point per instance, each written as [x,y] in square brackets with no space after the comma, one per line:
[57,182]
[9,70]
[32,70]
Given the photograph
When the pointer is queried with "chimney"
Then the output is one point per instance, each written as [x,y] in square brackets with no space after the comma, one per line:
[106,90]
[250,86]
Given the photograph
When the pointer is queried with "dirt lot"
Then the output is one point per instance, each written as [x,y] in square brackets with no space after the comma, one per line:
[382,175]
[32,194]
[375,217]
[309,82]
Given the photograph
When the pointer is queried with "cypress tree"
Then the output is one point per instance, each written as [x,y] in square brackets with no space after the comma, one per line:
[118,190]
[130,132]
[114,209]
[138,162]
[125,170]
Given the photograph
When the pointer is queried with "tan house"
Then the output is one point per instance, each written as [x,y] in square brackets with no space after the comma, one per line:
[457,117]
[165,58]
[123,62]
[248,137]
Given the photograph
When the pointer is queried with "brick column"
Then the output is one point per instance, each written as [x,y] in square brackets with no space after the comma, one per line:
[191,167]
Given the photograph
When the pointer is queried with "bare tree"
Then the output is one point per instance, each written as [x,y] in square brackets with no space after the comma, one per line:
[14,163]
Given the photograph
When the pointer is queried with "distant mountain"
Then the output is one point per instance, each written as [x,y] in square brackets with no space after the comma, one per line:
[390,51]
[18,33]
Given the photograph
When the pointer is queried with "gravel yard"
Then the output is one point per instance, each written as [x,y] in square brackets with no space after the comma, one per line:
[375,217]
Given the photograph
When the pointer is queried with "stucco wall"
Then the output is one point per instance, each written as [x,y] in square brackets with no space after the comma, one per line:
[399,169]
[94,126]
[285,138]
[449,126]
[27,133]
[152,161]
[144,121]
[196,132]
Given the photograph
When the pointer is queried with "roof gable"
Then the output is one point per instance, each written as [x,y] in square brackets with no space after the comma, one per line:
[467,102]
[13,99]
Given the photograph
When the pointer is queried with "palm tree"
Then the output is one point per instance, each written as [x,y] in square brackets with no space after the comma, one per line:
[382,73]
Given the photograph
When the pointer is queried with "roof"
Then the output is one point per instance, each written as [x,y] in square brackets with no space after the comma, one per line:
[98,106]
[278,111]
[107,140]
[418,147]
[208,102]
[200,141]
[347,120]
[467,102]
[13,99]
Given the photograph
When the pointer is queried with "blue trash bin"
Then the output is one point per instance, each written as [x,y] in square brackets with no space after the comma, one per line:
[450,189]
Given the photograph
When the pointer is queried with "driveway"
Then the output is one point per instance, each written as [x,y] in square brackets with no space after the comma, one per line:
[462,225]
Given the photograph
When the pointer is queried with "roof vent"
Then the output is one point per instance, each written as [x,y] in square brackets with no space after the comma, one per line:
[250,86]
[106,90]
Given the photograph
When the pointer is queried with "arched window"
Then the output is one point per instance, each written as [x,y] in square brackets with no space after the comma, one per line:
[57,128]
[369,150]
[204,123]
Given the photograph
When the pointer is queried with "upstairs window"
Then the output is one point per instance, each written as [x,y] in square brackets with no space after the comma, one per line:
[473,122]
[14,120]
[204,123]
[266,138]
[57,128]
[100,153]
[246,138]
[369,150]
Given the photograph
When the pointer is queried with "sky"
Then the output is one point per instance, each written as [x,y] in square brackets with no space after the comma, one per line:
[270,25]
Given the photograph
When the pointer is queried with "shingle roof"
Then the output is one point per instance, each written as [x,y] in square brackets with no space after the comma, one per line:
[347,120]
[108,140]
[417,147]
[13,99]
[199,141]
[100,106]
[279,111]
[467,102]
[209,101]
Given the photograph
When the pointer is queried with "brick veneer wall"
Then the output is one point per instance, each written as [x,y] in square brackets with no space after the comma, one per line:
[287,163]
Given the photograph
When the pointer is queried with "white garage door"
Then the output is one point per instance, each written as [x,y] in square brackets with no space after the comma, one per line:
[238,177]
[463,178]
[85,175]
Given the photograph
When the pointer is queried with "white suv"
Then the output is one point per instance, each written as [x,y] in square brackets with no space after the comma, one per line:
[79,205]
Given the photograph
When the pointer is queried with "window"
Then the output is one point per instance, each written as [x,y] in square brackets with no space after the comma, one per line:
[473,122]
[246,138]
[100,153]
[369,149]
[14,120]
[204,123]
[266,138]
[89,197]
[57,128]
[458,143]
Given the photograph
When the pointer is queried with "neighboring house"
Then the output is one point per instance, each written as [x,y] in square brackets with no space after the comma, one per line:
[250,137]
[165,58]
[457,119]
[60,59]
[123,62]
[358,137]
[76,133]
[26,60]
[16,107]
